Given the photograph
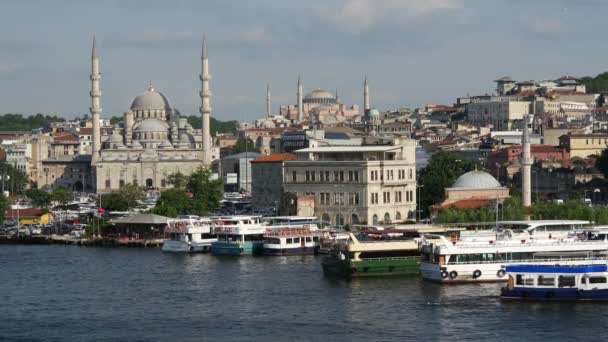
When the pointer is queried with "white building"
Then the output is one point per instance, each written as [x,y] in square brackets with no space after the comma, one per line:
[500,114]
[372,183]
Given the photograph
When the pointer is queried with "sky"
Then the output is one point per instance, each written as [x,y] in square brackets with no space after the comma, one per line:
[413,52]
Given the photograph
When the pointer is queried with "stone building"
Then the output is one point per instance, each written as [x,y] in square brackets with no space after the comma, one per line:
[267,179]
[153,141]
[584,145]
[371,183]
[501,114]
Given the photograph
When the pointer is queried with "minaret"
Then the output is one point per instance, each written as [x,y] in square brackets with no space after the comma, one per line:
[365,97]
[526,163]
[95,103]
[268,102]
[205,108]
[299,94]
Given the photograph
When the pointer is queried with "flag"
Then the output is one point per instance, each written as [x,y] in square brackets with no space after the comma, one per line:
[101,210]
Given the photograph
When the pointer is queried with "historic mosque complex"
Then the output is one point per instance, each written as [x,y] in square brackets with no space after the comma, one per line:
[153,141]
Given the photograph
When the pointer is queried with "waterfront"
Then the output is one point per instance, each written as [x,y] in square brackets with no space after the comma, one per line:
[53,293]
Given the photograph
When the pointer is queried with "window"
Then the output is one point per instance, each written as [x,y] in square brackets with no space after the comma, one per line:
[341,176]
[327,176]
[296,240]
[374,198]
[108,184]
[565,281]
[322,198]
[293,176]
[289,240]
[546,280]
[411,173]
[308,239]
[350,176]
[313,175]
[356,198]
[336,176]
[308,176]
[342,198]
[336,198]
[597,280]
[315,238]
[356,176]
[519,279]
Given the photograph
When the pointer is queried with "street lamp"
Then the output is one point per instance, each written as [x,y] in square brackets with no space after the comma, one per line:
[418,202]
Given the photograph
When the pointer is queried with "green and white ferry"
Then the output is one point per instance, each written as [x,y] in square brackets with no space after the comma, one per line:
[389,252]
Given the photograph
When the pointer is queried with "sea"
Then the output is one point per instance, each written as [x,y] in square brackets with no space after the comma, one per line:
[70,293]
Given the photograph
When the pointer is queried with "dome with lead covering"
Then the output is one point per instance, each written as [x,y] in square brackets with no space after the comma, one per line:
[476,180]
[319,96]
[151,100]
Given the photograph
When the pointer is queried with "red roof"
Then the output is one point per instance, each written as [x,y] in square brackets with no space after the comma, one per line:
[468,204]
[275,158]
[23,213]
[66,137]
[86,131]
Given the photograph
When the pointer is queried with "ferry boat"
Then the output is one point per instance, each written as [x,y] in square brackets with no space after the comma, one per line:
[291,221]
[331,238]
[292,241]
[374,253]
[457,261]
[189,235]
[239,235]
[528,228]
[556,282]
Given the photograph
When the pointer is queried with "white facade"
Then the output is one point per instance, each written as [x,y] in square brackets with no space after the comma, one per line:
[359,184]
[500,114]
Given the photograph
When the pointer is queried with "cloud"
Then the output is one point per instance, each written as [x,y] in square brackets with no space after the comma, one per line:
[360,15]
[255,34]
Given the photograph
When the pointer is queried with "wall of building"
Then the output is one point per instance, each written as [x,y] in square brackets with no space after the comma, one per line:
[267,184]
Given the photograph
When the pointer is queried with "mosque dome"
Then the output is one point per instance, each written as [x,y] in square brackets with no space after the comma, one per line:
[151,125]
[319,96]
[374,112]
[151,100]
[476,180]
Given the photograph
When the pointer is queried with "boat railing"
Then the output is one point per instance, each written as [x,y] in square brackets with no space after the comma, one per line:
[598,259]
[412,257]
[523,243]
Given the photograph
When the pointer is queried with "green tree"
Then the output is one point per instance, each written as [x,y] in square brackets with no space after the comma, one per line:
[20,122]
[596,84]
[244,145]
[115,119]
[39,198]
[199,195]
[13,180]
[441,172]
[62,196]
[112,202]
[4,206]
[216,126]
[178,180]
[133,195]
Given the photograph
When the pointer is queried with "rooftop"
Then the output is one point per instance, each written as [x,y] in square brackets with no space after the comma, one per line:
[333,149]
[275,158]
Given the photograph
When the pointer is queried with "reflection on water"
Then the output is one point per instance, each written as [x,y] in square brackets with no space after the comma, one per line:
[52,293]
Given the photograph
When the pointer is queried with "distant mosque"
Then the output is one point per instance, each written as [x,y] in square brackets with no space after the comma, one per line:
[153,141]
[321,107]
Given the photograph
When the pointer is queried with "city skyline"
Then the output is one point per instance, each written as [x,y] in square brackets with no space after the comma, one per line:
[402,47]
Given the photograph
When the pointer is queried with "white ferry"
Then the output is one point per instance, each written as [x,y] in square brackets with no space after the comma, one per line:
[457,261]
[292,241]
[292,221]
[239,235]
[189,235]
[529,228]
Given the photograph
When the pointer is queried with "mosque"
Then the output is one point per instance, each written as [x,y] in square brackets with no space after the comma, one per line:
[153,141]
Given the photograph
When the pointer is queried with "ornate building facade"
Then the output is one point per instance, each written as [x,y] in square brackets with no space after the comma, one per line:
[153,141]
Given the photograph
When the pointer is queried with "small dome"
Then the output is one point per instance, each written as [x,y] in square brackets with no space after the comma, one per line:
[151,100]
[374,112]
[116,138]
[476,180]
[186,137]
[151,125]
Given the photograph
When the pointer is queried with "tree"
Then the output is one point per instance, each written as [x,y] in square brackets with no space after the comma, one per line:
[178,180]
[115,119]
[19,122]
[441,172]
[197,195]
[39,198]
[62,196]
[244,145]
[216,126]
[602,162]
[125,199]
[13,180]
[4,206]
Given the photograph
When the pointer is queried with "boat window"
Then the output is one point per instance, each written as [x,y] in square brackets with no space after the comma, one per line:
[546,280]
[566,281]
[296,240]
[529,281]
[254,237]
[315,238]
[274,241]
[597,280]
[289,240]
[308,239]
[389,254]
[519,279]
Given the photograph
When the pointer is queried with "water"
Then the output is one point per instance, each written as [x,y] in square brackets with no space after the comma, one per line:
[67,293]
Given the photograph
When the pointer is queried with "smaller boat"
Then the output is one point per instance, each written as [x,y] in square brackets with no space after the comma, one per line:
[189,235]
[292,241]
[556,282]
[239,235]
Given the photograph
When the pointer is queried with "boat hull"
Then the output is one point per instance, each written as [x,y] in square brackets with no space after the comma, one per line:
[370,268]
[292,251]
[170,246]
[232,248]
[553,294]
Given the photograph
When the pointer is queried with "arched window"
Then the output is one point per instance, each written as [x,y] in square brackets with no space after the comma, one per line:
[398,216]
[122,183]
[108,184]
[326,219]
[354,219]
[163,183]
[339,220]
[375,219]
[387,218]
